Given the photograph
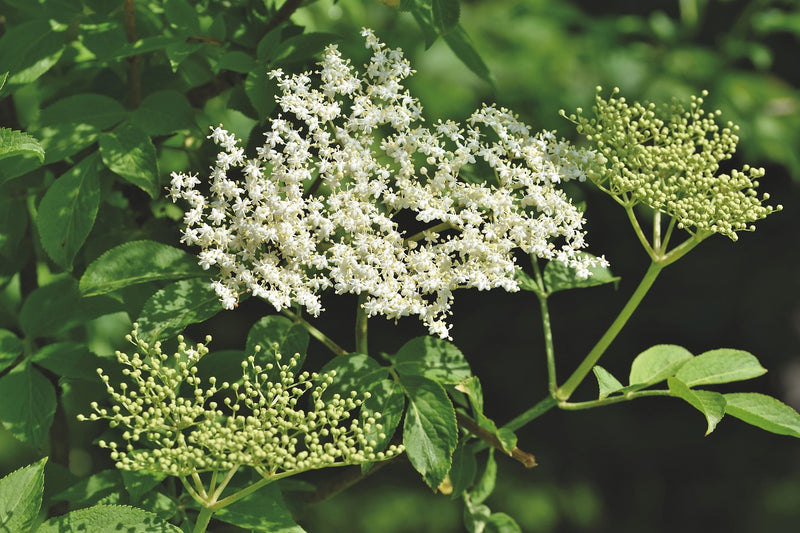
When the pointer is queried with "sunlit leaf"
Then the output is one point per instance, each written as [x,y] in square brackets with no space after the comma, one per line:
[764,412]
[720,366]
[711,404]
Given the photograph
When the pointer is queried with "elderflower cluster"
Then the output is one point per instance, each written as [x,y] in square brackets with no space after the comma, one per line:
[176,425]
[318,207]
[668,158]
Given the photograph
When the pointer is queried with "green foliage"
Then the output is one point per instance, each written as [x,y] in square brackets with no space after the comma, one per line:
[108,518]
[21,496]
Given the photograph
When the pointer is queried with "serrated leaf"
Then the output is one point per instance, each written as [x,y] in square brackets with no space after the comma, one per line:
[354,372]
[19,143]
[657,363]
[27,405]
[128,152]
[97,110]
[433,358]
[485,485]
[459,42]
[430,433]
[264,510]
[445,13]
[465,466]
[386,398]
[278,334]
[58,307]
[108,518]
[559,277]
[606,382]
[10,348]
[137,262]
[21,497]
[68,210]
[720,366]
[176,306]
[28,50]
[711,404]
[163,112]
[425,21]
[764,412]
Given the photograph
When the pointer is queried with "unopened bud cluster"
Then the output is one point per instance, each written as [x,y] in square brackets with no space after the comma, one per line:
[175,424]
[668,158]
[318,207]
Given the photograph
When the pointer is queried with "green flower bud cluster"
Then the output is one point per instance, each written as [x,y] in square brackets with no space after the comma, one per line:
[668,158]
[177,425]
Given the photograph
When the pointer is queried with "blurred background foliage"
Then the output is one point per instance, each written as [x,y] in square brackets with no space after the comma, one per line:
[636,467]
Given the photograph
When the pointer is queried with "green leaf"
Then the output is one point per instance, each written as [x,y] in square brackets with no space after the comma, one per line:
[354,372]
[3,79]
[182,15]
[128,152]
[485,485]
[558,277]
[176,306]
[19,143]
[472,389]
[97,110]
[303,46]
[108,518]
[28,50]
[606,382]
[502,523]
[445,14]
[58,307]
[433,358]
[10,348]
[476,516]
[21,497]
[711,404]
[90,490]
[163,112]
[140,483]
[264,510]
[61,141]
[430,433]
[720,366]
[13,223]
[278,334]
[764,411]
[237,61]
[137,262]
[69,360]
[260,92]
[459,42]
[146,45]
[27,405]
[67,211]
[424,19]
[657,363]
[462,472]
[386,398]
[526,283]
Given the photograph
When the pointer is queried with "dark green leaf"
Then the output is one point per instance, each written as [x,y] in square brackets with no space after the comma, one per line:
[260,92]
[27,405]
[18,166]
[61,141]
[19,143]
[433,358]
[607,383]
[462,472]
[386,398]
[13,222]
[526,283]
[303,46]
[485,485]
[720,366]
[711,404]
[137,262]
[764,411]
[108,518]
[67,211]
[472,389]
[10,348]
[21,497]
[425,21]
[459,42]
[58,307]
[128,152]
[90,490]
[28,50]
[445,14]
[140,483]
[176,306]
[558,277]
[354,372]
[68,359]
[430,433]
[177,53]
[237,61]
[657,363]
[163,112]
[502,523]
[147,44]
[264,510]
[96,110]
[182,15]
[277,334]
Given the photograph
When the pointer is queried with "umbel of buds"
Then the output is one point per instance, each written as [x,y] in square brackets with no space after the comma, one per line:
[323,202]
[273,420]
[669,158]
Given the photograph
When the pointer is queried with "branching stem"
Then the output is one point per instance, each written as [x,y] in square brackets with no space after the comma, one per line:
[314,332]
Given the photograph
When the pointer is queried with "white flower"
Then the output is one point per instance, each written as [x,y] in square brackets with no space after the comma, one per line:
[318,208]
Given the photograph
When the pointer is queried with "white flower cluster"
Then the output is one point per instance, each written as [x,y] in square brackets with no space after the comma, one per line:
[318,207]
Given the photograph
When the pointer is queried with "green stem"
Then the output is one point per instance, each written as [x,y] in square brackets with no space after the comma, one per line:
[565,391]
[638,229]
[236,496]
[611,400]
[317,334]
[534,412]
[202,520]
[361,326]
[433,229]
[548,332]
